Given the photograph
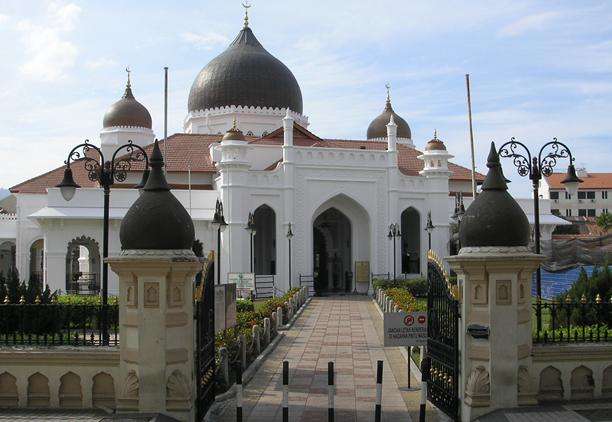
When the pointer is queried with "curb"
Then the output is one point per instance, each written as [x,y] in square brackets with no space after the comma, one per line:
[221,401]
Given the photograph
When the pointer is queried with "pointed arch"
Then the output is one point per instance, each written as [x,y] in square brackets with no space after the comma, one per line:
[83,265]
[37,261]
[411,241]
[264,240]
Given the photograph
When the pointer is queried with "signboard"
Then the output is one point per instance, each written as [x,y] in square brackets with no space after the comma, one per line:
[405,329]
[242,280]
[362,271]
[225,306]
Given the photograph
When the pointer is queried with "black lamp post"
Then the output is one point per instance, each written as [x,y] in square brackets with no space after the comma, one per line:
[250,227]
[219,223]
[429,229]
[105,173]
[289,236]
[536,168]
[394,232]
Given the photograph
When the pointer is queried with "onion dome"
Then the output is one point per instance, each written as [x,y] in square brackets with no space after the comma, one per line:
[435,144]
[245,74]
[494,218]
[378,127]
[127,111]
[157,220]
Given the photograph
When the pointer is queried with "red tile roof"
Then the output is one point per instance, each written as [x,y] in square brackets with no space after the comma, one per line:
[184,150]
[592,181]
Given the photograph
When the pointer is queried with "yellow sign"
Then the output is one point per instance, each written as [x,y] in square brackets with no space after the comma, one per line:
[362,271]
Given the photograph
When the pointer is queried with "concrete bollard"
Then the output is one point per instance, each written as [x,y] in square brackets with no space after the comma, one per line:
[224,364]
[266,330]
[279,318]
[396,308]
[256,340]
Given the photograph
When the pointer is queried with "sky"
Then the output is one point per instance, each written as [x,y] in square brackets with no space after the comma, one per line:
[538,70]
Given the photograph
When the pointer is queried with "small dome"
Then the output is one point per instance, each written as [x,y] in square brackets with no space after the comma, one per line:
[157,220]
[378,127]
[494,218]
[435,144]
[245,75]
[233,134]
[127,112]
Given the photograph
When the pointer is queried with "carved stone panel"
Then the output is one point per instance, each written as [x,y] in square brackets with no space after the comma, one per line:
[480,294]
[151,294]
[503,292]
[478,388]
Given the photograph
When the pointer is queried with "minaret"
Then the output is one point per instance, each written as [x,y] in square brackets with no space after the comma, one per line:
[126,120]
[435,159]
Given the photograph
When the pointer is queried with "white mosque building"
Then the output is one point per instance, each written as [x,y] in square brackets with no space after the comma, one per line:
[246,143]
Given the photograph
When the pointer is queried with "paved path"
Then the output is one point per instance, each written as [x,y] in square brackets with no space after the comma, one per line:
[338,329]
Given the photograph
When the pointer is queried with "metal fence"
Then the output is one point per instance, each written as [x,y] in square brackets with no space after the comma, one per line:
[264,286]
[308,281]
[57,324]
[573,321]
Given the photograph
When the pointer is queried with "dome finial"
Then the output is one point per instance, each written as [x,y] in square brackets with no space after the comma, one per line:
[436,134]
[246,6]
[129,83]
[128,86]
[388,86]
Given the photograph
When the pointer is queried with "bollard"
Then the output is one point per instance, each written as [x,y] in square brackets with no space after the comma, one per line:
[239,393]
[330,391]
[285,391]
[379,378]
[409,350]
[424,378]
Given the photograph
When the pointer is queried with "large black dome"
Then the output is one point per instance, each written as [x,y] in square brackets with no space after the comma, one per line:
[127,112]
[245,75]
[378,127]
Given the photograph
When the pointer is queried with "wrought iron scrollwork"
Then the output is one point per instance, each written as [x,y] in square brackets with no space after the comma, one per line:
[105,172]
[520,161]
[549,161]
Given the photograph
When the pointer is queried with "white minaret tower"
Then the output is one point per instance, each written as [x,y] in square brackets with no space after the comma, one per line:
[435,159]
[126,120]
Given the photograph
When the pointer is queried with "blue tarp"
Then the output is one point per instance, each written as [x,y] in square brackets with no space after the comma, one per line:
[558,282]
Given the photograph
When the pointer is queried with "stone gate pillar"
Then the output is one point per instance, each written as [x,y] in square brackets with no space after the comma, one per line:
[494,268]
[156,269]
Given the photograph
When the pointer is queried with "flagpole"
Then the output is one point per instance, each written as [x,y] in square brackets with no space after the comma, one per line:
[469,102]
[165,114]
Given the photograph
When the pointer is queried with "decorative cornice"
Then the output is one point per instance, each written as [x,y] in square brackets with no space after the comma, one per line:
[274,111]
[495,250]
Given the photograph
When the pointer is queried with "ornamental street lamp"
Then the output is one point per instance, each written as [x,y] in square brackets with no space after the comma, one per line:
[429,229]
[250,227]
[536,168]
[105,173]
[289,236]
[219,224]
[394,232]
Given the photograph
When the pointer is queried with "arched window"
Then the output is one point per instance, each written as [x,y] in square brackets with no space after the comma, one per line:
[7,257]
[37,261]
[411,241]
[83,266]
[264,248]
[249,133]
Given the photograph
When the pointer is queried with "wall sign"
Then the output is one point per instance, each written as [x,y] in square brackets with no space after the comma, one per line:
[362,271]
[242,280]
[405,329]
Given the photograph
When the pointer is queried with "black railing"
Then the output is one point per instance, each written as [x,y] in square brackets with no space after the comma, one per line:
[87,284]
[56,324]
[573,321]
[264,286]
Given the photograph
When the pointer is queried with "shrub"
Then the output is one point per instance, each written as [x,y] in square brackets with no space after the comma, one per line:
[90,300]
[416,286]
[405,300]
[244,305]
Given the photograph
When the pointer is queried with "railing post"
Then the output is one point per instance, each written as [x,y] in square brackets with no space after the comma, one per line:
[330,391]
[379,380]
[239,393]
[285,391]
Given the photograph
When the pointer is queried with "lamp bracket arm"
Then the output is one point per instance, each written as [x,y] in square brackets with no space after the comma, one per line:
[549,161]
[120,167]
[521,161]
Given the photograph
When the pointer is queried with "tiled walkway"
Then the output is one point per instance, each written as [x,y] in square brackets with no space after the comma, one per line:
[338,329]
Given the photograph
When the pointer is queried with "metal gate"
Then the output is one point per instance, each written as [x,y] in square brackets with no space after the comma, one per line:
[442,340]
[205,341]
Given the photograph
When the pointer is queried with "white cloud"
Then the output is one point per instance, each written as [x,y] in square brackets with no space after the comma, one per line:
[102,62]
[529,23]
[48,53]
[204,41]
[3,18]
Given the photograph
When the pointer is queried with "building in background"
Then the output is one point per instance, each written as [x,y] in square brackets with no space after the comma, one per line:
[593,199]
[246,142]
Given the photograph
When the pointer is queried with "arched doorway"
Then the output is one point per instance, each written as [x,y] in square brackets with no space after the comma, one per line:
[37,254]
[7,257]
[264,241]
[411,241]
[332,252]
[83,266]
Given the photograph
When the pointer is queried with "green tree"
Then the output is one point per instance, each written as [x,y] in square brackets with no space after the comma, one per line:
[605,221]
[3,290]
[12,286]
